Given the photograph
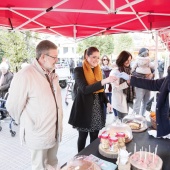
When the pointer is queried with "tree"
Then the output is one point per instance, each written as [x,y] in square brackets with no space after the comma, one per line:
[103,43]
[17,46]
[122,42]
[108,44]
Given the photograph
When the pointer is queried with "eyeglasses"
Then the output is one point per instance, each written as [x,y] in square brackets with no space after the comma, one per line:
[105,59]
[51,56]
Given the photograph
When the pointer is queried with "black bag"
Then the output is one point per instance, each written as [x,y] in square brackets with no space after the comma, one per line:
[139,75]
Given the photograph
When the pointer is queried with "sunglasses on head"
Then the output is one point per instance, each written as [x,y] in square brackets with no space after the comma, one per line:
[105,59]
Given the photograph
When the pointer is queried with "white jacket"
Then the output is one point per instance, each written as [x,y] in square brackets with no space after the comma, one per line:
[143,65]
[31,103]
[119,101]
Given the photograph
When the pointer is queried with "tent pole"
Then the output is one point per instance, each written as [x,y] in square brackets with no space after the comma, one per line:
[167,58]
[75,58]
[153,108]
[156,56]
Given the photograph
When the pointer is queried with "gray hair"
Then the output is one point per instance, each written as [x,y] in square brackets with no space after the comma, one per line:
[43,47]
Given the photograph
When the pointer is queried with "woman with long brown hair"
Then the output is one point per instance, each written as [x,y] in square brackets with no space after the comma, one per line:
[122,93]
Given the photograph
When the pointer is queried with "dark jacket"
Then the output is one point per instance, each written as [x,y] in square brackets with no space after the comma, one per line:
[162,106]
[81,112]
[5,84]
[105,75]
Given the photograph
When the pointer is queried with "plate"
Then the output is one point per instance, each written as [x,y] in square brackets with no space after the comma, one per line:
[140,130]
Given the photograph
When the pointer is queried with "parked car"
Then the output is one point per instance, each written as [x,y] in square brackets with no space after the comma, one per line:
[63,72]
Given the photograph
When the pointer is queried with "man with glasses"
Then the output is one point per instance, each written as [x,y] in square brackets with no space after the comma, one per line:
[35,103]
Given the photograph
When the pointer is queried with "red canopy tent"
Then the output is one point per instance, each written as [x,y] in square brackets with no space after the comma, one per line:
[84,18]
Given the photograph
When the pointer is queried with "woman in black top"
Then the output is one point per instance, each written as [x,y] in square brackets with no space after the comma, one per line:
[87,114]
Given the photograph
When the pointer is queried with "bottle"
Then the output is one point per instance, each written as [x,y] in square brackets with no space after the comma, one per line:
[121,139]
[113,141]
[104,140]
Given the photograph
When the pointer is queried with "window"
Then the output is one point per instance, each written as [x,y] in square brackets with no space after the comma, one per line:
[73,49]
[65,50]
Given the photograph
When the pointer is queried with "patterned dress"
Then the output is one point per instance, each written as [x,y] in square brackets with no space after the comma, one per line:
[97,121]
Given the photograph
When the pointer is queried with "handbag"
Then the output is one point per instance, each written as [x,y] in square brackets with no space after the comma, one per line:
[139,75]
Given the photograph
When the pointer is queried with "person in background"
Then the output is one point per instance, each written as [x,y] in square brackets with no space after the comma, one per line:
[122,93]
[106,69]
[5,81]
[142,68]
[5,61]
[72,65]
[161,64]
[163,99]
[87,114]
[25,63]
[79,64]
[35,103]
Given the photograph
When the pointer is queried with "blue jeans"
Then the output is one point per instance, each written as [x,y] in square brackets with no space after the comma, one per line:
[115,111]
[142,98]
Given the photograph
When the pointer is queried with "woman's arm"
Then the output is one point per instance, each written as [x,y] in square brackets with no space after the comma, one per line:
[82,83]
[152,85]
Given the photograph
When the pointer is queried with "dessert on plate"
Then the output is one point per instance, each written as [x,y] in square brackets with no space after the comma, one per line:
[136,122]
[80,163]
[113,137]
[143,160]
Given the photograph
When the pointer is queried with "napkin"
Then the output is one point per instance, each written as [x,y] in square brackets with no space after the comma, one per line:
[123,75]
[154,134]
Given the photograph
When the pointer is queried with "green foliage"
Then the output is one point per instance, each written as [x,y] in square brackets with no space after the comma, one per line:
[1,55]
[17,46]
[122,42]
[109,44]
[103,43]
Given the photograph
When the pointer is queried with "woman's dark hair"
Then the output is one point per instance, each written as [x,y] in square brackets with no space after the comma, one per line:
[91,50]
[105,56]
[85,51]
[122,58]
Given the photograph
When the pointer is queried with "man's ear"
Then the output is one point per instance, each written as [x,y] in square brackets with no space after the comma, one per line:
[42,57]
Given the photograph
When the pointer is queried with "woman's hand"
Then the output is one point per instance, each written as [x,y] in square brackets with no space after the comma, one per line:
[109,108]
[109,79]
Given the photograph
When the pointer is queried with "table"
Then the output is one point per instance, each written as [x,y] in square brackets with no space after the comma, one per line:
[141,139]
